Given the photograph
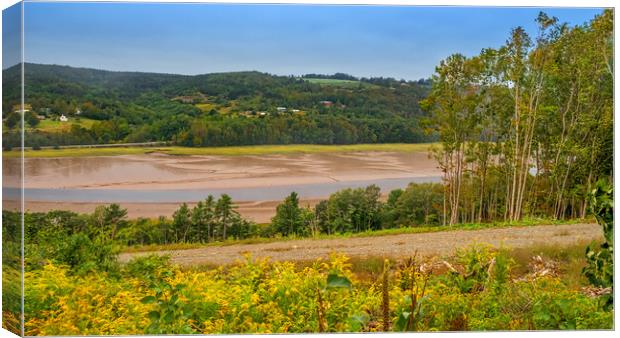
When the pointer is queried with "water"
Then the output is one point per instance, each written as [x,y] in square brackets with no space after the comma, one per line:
[306,191]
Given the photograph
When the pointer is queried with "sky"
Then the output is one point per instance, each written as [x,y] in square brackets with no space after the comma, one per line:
[390,41]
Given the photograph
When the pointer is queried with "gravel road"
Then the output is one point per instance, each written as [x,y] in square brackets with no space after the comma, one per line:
[395,246]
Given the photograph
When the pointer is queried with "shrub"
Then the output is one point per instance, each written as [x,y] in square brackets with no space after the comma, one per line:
[600,264]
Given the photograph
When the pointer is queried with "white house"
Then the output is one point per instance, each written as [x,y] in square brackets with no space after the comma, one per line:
[281,109]
[63,118]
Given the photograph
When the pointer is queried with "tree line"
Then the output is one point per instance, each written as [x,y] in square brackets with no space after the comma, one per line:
[527,128]
[213,220]
[211,109]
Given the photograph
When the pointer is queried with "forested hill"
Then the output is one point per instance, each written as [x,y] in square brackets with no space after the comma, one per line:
[235,108]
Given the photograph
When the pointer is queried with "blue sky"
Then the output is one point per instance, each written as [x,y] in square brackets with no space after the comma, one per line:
[396,41]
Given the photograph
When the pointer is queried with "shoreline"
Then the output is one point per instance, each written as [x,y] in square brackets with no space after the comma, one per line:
[115,150]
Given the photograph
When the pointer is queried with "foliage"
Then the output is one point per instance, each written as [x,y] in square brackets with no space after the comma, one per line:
[600,266]
[257,296]
[526,128]
[290,219]
[419,204]
[237,108]
[352,210]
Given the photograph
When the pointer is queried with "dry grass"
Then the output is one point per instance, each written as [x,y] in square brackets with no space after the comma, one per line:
[571,260]
[377,233]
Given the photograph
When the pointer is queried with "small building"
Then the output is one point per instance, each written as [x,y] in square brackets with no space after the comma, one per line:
[41,117]
[295,110]
[281,109]
[326,103]
[78,111]
[63,118]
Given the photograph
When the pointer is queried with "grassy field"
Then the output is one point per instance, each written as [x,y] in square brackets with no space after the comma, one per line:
[57,126]
[338,83]
[377,233]
[54,126]
[206,107]
[223,151]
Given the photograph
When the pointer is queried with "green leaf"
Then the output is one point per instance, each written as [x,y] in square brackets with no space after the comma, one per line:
[153,315]
[148,300]
[358,321]
[169,317]
[335,281]
[401,323]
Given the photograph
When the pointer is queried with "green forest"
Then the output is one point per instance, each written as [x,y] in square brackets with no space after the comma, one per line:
[222,109]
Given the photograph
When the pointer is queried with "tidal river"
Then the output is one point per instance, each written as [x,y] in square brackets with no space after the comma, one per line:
[150,184]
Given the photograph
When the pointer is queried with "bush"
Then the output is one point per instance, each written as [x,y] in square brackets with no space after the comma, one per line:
[600,264]
[83,255]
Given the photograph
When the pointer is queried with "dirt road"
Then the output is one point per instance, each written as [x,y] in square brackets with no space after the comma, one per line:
[395,246]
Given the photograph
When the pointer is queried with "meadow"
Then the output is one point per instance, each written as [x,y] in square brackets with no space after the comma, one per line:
[50,125]
[338,82]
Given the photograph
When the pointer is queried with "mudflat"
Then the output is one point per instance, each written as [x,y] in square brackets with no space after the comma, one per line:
[252,178]
[161,171]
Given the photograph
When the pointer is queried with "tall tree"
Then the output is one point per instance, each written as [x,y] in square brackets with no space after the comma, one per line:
[224,211]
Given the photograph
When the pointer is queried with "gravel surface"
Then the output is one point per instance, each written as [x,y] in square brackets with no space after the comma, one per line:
[396,246]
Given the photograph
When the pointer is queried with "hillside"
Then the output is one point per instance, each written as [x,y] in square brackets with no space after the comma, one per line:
[236,108]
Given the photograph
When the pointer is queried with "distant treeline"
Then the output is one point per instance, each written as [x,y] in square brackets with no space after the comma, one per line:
[283,129]
[210,110]
[373,80]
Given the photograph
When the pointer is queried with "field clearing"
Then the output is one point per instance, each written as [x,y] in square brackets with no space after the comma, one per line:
[224,151]
[206,107]
[50,125]
[394,246]
[338,83]
[55,126]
